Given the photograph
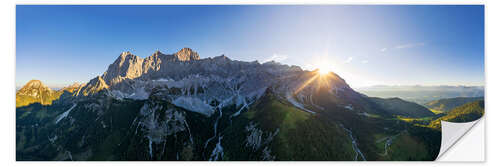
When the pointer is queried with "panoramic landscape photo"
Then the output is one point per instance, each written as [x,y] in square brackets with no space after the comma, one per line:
[244,82]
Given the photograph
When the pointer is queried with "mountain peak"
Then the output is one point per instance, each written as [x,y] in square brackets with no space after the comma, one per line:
[35,84]
[72,86]
[187,54]
[127,55]
[124,54]
[126,65]
[75,84]
[34,92]
[157,52]
[94,85]
[222,57]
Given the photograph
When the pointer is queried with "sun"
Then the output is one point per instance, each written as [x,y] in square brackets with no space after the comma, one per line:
[323,70]
[322,76]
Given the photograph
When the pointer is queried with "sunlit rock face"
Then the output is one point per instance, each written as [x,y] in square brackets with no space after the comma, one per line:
[36,92]
[183,75]
[186,54]
[94,86]
[129,66]
[34,88]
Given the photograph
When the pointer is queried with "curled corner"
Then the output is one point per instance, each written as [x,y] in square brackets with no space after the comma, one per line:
[451,132]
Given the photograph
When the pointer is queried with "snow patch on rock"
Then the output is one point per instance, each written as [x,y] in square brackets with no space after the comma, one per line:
[218,151]
[65,114]
[158,128]
[256,137]
[297,104]
[194,104]
[349,107]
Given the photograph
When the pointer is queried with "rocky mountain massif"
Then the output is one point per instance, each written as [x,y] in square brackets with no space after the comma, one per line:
[181,107]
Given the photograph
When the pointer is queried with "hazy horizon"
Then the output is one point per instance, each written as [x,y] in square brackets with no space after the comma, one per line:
[365,44]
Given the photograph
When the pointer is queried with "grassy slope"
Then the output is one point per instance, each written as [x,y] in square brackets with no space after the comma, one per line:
[305,136]
[400,107]
[436,111]
[301,135]
[405,147]
[465,113]
[445,105]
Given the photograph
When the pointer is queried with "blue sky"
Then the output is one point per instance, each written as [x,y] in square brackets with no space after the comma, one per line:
[366,45]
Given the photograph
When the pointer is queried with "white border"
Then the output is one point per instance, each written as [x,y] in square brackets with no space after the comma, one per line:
[7,88]
[215,2]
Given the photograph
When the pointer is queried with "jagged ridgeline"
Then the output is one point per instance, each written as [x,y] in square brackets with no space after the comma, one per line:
[181,107]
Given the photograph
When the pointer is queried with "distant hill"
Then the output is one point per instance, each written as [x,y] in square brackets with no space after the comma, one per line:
[465,113]
[397,106]
[422,94]
[448,104]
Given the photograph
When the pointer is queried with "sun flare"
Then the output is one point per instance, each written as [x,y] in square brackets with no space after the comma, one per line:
[323,71]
